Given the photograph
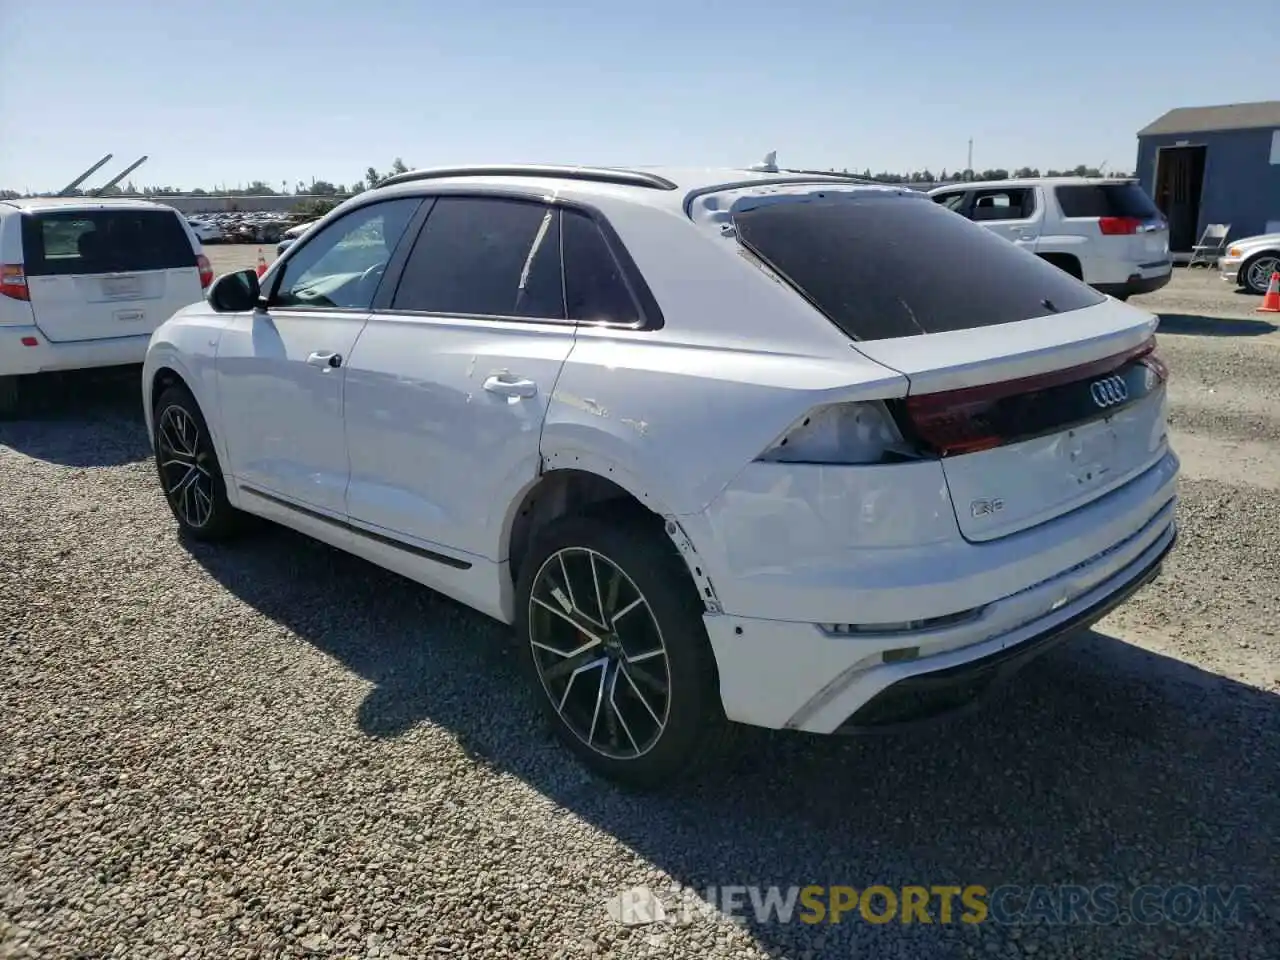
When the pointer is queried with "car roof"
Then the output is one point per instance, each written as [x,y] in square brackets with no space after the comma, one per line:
[660,186]
[76,204]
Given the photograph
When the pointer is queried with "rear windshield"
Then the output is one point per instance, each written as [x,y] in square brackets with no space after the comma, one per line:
[882,266]
[1106,200]
[57,243]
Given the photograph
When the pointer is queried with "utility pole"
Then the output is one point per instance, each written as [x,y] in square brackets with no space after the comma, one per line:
[969,166]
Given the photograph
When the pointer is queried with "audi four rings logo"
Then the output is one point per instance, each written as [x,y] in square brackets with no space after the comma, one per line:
[1109,391]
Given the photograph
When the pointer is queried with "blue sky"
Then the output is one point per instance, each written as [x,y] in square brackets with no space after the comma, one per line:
[227,91]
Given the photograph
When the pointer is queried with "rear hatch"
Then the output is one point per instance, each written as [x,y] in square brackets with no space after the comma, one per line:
[1037,393]
[103,273]
[1129,225]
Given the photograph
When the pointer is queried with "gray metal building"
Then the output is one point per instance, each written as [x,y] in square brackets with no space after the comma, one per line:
[1206,165]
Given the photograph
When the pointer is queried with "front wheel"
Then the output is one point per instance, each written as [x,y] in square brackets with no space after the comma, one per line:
[610,628]
[1257,272]
[187,463]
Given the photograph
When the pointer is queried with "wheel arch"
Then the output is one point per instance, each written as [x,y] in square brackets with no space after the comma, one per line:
[1066,262]
[160,373]
[164,377]
[576,483]
[165,368]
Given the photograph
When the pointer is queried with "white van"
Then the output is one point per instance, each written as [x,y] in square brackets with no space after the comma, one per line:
[84,282]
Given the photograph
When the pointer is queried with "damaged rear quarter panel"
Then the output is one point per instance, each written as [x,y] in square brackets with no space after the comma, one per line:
[674,424]
[674,414]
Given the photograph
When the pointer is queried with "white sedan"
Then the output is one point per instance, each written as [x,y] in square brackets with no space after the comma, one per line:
[1250,261]
[730,446]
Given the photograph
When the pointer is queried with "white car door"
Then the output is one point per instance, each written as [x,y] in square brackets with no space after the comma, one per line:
[449,384]
[281,369]
[1014,213]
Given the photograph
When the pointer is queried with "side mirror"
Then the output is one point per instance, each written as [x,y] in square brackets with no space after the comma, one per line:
[235,292]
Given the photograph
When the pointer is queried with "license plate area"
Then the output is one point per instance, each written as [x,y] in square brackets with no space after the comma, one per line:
[1088,453]
[122,288]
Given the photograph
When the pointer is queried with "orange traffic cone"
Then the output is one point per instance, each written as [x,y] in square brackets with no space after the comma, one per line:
[262,263]
[1271,302]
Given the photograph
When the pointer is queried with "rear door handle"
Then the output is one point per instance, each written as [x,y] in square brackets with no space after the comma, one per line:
[325,359]
[505,385]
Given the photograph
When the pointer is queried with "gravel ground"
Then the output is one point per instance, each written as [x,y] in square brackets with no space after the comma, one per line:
[277,750]
[229,257]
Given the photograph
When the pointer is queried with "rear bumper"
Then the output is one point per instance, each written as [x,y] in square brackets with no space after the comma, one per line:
[942,694]
[787,659]
[788,675]
[18,358]
[1136,285]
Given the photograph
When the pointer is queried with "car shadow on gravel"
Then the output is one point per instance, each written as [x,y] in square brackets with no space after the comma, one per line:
[1199,326]
[80,419]
[1106,764]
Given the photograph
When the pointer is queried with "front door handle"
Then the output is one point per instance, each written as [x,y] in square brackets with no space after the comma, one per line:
[505,385]
[325,359]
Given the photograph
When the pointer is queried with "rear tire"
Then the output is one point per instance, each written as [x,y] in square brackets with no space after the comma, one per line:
[9,396]
[187,465]
[609,625]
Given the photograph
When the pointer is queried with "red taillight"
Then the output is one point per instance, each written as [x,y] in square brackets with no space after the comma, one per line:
[1119,226]
[13,282]
[1151,360]
[206,271]
[958,421]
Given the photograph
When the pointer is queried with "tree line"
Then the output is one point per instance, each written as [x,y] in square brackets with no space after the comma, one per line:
[372,177]
[256,188]
[974,176]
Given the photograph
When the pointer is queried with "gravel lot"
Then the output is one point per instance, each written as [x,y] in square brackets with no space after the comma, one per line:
[226,258]
[273,749]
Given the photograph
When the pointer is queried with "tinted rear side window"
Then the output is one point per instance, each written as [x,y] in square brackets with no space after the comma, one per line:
[1106,200]
[595,289]
[882,266]
[485,257]
[55,243]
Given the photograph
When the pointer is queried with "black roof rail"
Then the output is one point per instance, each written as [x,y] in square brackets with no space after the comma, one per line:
[626,178]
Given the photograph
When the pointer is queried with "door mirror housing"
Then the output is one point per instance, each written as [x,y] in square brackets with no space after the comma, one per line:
[235,292]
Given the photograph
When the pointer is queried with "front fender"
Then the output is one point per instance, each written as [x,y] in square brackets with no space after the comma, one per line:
[187,345]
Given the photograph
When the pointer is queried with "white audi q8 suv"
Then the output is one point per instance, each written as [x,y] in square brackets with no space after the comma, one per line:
[724,446]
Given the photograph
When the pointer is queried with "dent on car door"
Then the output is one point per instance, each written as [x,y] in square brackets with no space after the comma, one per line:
[281,369]
[448,387]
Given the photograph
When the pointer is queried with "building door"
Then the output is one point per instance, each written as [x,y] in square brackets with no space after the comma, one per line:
[1179,183]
